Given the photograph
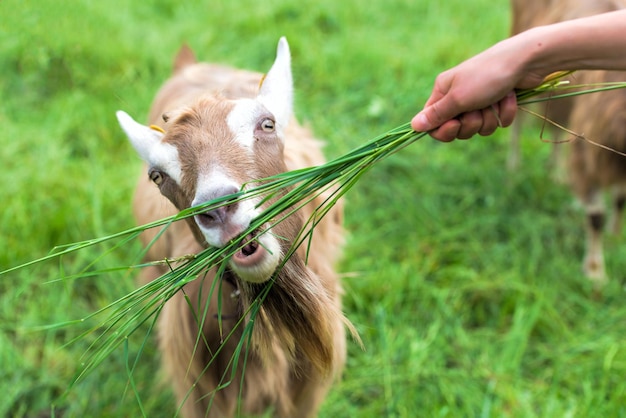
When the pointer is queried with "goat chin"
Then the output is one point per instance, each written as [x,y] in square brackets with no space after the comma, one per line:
[258,272]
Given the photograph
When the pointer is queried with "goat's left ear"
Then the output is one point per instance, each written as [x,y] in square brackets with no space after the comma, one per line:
[141,137]
[276,91]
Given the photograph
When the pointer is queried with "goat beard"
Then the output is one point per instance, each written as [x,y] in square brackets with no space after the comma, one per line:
[300,314]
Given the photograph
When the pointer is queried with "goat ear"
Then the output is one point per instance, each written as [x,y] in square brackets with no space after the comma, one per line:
[141,137]
[276,91]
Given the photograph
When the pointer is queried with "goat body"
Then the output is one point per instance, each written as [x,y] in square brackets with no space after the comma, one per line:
[592,170]
[225,127]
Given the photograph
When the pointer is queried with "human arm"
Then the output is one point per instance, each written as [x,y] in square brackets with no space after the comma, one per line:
[478,95]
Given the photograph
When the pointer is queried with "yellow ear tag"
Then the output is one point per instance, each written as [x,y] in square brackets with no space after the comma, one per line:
[262,80]
[157,128]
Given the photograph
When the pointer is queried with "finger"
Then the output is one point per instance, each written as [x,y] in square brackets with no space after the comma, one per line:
[446,132]
[421,123]
[429,118]
[491,120]
[440,108]
[508,109]
[471,123]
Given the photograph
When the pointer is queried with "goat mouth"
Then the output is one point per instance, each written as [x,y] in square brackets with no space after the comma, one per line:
[250,251]
[257,257]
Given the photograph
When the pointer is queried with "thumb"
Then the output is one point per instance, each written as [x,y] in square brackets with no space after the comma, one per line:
[421,123]
[430,117]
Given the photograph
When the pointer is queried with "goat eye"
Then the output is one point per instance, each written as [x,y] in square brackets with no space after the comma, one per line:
[156,177]
[267,125]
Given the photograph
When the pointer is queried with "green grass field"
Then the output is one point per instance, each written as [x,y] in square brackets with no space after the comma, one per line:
[463,279]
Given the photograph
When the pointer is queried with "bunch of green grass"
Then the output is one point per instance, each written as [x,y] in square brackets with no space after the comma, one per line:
[116,322]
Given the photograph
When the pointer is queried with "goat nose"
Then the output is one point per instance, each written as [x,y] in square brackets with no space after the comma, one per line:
[217,216]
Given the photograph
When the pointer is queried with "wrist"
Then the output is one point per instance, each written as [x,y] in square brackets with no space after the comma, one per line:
[536,52]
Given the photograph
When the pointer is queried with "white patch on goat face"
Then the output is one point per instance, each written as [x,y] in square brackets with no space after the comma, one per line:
[150,146]
[243,119]
[164,156]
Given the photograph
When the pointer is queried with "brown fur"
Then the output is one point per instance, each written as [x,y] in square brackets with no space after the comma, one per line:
[298,343]
[526,14]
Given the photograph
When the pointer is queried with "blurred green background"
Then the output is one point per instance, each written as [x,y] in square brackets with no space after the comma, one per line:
[462,278]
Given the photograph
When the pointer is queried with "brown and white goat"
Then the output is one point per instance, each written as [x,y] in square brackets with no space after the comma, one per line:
[592,170]
[224,127]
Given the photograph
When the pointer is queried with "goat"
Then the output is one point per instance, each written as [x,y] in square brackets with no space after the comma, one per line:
[224,127]
[600,118]
[593,170]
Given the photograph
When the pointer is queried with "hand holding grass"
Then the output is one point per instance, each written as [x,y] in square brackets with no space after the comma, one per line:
[477,96]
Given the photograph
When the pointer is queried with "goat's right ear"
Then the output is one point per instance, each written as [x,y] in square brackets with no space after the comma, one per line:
[141,137]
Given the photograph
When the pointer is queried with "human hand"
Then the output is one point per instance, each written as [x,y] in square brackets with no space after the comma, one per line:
[442,124]
[466,100]
[477,96]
